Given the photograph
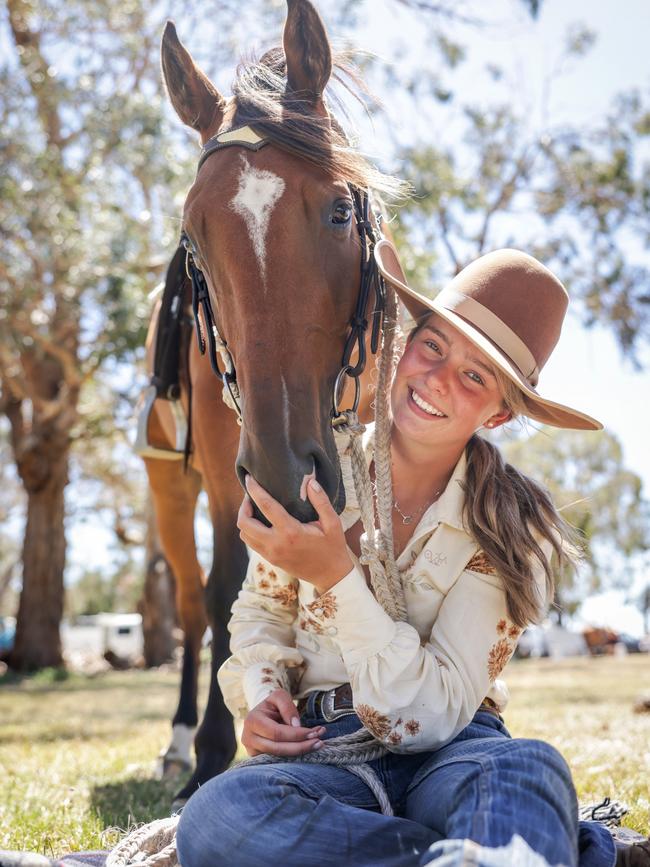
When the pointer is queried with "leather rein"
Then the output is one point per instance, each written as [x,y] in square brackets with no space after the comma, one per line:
[370,278]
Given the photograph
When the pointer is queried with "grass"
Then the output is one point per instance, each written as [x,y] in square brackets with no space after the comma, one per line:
[77,755]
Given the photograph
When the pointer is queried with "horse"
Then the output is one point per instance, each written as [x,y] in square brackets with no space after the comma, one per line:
[279,237]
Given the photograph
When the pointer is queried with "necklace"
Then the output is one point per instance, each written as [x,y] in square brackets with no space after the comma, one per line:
[408,519]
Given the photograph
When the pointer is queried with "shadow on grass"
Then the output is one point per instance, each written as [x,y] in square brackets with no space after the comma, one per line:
[134,800]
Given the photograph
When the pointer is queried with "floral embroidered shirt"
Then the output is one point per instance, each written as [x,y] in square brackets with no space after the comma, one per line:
[415,684]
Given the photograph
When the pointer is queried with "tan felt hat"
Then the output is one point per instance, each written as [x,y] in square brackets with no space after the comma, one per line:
[511,307]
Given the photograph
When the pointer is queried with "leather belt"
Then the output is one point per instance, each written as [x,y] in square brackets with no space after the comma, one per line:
[332,704]
[490,706]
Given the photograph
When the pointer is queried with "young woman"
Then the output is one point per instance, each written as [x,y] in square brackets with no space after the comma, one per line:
[473,541]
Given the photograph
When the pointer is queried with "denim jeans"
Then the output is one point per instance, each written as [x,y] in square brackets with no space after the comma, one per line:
[485,800]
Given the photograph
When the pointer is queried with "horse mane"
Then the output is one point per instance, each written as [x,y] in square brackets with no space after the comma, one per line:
[289,121]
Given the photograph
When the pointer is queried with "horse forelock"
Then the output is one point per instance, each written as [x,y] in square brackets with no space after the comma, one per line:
[289,121]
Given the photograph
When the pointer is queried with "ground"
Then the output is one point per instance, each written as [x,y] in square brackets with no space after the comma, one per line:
[77,755]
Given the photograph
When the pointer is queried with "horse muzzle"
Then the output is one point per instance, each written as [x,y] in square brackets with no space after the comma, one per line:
[285,473]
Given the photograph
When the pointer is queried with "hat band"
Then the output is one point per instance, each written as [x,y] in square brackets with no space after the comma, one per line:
[496,329]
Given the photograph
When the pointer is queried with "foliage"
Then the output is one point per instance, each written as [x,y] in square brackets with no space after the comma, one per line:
[95,592]
[577,197]
[598,495]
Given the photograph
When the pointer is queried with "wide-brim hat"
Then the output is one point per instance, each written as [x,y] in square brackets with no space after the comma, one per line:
[509,306]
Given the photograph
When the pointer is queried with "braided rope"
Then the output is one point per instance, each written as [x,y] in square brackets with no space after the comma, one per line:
[371,555]
[383,462]
[152,845]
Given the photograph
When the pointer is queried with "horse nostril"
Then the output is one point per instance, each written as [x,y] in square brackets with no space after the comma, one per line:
[242,472]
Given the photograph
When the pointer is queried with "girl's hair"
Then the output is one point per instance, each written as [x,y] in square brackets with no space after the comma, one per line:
[510,515]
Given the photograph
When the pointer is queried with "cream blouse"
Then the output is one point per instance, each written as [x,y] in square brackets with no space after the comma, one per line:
[415,684]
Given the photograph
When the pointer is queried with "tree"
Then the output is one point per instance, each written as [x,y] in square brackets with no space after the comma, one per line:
[78,199]
[603,500]
[576,197]
[157,604]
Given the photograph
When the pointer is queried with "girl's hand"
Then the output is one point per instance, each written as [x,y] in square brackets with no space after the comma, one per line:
[274,727]
[316,552]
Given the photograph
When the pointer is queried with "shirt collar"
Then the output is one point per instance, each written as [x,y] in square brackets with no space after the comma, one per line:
[447,509]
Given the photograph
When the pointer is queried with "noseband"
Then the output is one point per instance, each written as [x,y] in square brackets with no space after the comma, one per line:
[370,278]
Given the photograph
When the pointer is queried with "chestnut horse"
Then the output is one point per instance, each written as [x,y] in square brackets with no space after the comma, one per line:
[278,233]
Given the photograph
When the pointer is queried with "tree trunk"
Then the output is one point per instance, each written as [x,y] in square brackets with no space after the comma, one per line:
[158,603]
[38,642]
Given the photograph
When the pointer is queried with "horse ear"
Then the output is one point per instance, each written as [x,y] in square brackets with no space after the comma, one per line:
[307,50]
[196,100]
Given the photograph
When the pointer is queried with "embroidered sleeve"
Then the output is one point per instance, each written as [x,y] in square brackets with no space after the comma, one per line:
[418,695]
[262,639]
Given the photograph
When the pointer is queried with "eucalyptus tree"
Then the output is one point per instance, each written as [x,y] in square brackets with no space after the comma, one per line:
[598,495]
[575,195]
[87,168]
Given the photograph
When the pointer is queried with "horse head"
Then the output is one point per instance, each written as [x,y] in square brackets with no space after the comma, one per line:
[273,230]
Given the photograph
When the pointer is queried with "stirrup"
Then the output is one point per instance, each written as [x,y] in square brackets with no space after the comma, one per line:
[142,445]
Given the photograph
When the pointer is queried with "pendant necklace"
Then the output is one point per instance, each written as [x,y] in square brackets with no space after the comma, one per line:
[408,519]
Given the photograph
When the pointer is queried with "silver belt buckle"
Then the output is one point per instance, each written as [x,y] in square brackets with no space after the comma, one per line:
[327,706]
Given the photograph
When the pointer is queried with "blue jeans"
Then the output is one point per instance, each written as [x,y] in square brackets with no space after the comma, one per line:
[485,799]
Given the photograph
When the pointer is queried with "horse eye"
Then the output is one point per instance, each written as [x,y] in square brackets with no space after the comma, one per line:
[342,214]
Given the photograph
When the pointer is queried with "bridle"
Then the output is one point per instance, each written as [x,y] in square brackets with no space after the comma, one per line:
[370,279]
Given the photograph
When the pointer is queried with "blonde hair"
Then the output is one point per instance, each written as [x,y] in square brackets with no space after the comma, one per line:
[510,516]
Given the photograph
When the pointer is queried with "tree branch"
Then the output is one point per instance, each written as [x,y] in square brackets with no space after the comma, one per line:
[505,193]
[37,70]
[66,359]
[444,225]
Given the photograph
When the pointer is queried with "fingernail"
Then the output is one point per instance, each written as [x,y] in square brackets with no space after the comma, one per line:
[295,721]
[314,733]
[315,486]
[317,745]
[246,480]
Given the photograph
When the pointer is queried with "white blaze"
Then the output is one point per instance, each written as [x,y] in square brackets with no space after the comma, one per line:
[258,192]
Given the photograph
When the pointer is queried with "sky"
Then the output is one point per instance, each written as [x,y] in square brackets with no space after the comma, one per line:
[587,370]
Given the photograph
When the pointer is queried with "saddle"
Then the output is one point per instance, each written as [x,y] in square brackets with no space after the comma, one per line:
[172,331]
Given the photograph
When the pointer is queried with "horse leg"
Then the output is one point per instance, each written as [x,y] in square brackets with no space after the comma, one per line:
[175,492]
[216,440]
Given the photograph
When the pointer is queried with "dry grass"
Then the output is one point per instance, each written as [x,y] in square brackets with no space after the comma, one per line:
[585,708]
[77,756]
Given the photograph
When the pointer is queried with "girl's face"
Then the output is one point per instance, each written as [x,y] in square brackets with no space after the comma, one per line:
[444,388]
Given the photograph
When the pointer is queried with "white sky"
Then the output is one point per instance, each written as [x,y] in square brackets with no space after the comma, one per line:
[587,369]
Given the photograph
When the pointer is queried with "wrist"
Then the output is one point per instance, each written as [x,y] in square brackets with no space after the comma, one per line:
[335,574]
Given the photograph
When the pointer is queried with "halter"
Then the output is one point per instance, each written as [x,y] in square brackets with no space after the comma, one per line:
[370,278]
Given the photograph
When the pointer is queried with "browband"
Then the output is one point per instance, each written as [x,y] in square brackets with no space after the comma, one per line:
[243,135]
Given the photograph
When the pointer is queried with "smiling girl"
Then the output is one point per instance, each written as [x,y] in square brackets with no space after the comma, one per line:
[315,655]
